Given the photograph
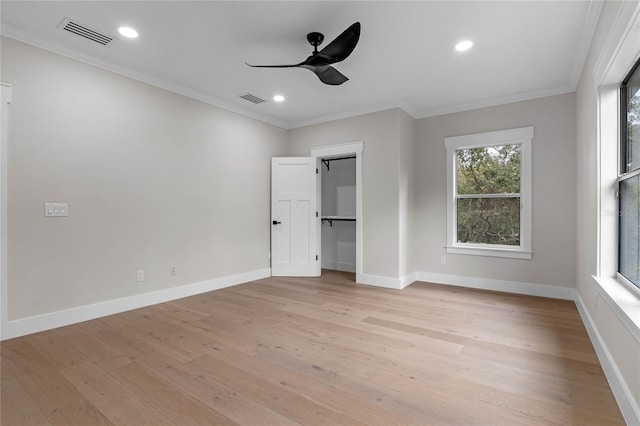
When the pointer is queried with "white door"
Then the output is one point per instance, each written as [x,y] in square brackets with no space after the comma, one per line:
[294,217]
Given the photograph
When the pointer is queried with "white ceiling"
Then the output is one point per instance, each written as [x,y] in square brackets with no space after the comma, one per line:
[405,57]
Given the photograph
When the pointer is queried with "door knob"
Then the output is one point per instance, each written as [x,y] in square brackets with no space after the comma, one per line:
[275,222]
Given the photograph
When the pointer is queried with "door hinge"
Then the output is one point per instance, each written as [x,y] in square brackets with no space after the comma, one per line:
[316,170]
[617,195]
[316,214]
[316,257]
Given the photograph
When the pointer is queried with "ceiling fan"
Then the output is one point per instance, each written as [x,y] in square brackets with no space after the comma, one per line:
[320,62]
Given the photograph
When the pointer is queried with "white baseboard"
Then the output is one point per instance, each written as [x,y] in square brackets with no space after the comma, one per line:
[386,282]
[24,326]
[339,266]
[380,281]
[624,397]
[407,280]
[517,287]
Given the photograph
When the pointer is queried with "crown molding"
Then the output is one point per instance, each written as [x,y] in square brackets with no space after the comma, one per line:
[586,38]
[624,24]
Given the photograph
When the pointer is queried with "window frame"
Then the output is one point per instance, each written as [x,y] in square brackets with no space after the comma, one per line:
[623,172]
[614,62]
[522,136]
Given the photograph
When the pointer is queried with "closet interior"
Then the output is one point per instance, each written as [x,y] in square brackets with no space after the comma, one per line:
[338,215]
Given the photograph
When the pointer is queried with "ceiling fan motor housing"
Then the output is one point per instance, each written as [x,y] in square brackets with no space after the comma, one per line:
[315,39]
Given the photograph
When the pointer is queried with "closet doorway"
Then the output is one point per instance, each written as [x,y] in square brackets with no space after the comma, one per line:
[339,200]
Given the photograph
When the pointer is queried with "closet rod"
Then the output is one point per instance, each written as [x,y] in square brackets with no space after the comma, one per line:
[339,219]
[329,160]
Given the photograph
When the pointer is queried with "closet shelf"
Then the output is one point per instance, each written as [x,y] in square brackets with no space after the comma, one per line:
[330,219]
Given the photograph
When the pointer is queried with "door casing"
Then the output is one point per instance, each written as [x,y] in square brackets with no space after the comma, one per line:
[339,150]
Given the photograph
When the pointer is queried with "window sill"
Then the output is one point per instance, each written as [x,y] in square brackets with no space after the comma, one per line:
[490,251]
[623,300]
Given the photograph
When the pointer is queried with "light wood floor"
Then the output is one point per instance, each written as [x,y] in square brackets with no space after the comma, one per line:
[315,351]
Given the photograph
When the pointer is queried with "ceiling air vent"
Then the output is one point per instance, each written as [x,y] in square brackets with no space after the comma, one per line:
[84,31]
[252,98]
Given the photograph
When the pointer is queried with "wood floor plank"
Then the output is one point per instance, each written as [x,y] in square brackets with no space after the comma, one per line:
[351,406]
[360,379]
[104,354]
[277,398]
[65,348]
[460,333]
[114,399]
[410,362]
[16,405]
[60,402]
[315,351]
[303,384]
[223,399]
[174,404]
[587,373]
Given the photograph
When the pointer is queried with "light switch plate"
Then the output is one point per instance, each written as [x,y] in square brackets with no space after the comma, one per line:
[56,209]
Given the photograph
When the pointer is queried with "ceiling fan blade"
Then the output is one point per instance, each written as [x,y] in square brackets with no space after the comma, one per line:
[273,66]
[330,75]
[340,48]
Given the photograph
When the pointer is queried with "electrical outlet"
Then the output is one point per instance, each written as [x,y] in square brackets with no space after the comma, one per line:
[140,275]
[172,271]
[56,209]
[443,260]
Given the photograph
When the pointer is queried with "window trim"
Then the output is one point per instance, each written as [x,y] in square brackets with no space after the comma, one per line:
[522,136]
[623,171]
[623,165]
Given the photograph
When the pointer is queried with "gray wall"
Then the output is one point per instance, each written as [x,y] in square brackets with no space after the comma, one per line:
[406,194]
[382,134]
[153,180]
[553,189]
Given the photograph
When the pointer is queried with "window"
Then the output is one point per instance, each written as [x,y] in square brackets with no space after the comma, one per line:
[489,193]
[629,178]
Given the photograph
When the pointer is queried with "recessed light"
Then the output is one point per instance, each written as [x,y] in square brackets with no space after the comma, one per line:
[278,98]
[128,32]
[464,45]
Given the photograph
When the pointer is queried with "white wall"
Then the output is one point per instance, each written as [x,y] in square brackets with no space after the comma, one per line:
[406,197]
[339,199]
[554,203]
[153,179]
[620,348]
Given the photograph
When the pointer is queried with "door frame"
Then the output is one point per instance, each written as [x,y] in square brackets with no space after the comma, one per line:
[6,92]
[324,152]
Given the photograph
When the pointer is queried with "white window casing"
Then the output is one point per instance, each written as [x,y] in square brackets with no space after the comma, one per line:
[521,136]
